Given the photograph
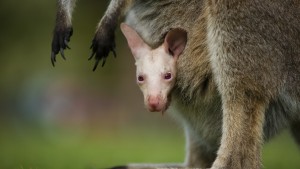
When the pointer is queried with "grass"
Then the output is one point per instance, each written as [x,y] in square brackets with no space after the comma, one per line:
[28,148]
[67,149]
[281,153]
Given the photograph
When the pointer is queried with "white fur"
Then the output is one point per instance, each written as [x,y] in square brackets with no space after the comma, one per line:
[153,65]
[156,67]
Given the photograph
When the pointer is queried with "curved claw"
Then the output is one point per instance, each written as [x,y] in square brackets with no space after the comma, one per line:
[61,38]
[96,65]
[53,60]
[103,62]
[114,53]
[67,44]
[101,47]
[92,55]
[62,53]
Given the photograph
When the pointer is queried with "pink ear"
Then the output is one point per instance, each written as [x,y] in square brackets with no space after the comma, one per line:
[175,41]
[135,42]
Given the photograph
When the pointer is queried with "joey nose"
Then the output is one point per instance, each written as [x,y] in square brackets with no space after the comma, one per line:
[153,103]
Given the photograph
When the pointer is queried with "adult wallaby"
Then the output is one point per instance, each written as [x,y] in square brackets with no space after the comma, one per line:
[237,78]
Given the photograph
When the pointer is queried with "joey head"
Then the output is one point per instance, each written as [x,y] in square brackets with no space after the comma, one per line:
[156,68]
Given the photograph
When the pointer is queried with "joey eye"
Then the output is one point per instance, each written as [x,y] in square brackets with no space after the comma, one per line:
[168,76]
[141,78]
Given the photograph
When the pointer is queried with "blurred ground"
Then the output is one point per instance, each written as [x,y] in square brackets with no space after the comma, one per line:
[70,117]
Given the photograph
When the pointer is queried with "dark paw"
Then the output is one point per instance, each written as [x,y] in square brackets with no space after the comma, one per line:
[119,167]
[61,38]
[101,47]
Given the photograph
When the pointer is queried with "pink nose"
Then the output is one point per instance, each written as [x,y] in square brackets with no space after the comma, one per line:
[153,103]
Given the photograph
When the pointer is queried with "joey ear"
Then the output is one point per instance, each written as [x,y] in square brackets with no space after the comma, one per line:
[175,41]
[135,42]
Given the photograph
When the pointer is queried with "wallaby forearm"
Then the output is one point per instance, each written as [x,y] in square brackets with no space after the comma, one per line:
[63,29]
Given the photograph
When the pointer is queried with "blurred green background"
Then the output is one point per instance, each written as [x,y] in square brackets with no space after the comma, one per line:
[69,117]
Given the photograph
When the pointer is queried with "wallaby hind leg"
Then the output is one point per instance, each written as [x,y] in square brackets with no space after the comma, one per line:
[199,154]
[295,130]
[242,134]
